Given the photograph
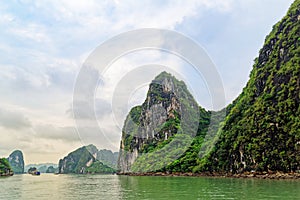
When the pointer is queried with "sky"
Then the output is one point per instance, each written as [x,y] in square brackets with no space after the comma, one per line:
[44,45]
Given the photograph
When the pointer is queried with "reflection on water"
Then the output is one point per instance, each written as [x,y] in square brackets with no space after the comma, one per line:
[207,188]
[49,186]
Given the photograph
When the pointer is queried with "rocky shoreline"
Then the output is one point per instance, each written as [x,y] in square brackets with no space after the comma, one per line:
[6,174]
[263,175]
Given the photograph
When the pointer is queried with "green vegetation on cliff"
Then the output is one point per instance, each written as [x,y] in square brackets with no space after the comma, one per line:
[5,168]
[82,161]
[99,168]
[163,128]
[107,157]
[261,130]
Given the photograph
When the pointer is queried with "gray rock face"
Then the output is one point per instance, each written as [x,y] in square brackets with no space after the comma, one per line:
[155,120]
[88,159]
[261,131]
[78,160]
[108,157]
[16,162]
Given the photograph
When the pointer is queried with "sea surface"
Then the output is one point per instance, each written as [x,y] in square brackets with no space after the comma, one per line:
[110,187]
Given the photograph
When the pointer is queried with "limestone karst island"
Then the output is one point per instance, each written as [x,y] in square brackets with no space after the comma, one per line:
[167,143]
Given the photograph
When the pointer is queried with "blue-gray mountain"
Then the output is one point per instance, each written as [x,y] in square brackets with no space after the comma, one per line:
[52,170]
[16,161]
[42,167]
[108,157]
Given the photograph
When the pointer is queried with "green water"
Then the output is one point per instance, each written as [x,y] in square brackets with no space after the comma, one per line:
[48,186]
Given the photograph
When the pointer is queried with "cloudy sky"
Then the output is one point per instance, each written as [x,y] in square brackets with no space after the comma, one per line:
[43,45]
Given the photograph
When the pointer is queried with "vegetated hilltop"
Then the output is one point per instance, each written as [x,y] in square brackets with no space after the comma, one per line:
[261,131]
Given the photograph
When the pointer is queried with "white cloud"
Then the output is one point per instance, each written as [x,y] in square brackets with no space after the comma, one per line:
[6,18]
[32,31]
[49,131]
[13,119]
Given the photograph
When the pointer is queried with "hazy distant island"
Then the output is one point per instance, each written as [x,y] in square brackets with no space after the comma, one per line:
[85,160]
[43,167]
[89,160]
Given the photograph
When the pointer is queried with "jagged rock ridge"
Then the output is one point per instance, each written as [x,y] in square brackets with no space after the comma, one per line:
[82,161]
[168,112]
[108,157]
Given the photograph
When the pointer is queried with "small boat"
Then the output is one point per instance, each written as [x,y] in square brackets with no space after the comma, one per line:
[36,173]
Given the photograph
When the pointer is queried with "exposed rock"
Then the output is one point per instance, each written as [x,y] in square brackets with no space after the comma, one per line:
[78,160]
[16,162]
[278,175]
[169,109]
[261,131]
[82,161]
[108,157]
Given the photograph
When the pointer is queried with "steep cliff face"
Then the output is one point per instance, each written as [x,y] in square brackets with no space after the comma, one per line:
[78,160]
[82,161]
[169,110]
[16,161]
[262,130]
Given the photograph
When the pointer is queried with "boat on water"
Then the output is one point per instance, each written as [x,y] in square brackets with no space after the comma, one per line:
[33,171]
[36,173]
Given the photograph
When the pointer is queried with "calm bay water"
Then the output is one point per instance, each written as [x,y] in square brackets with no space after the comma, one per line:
[49,186]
